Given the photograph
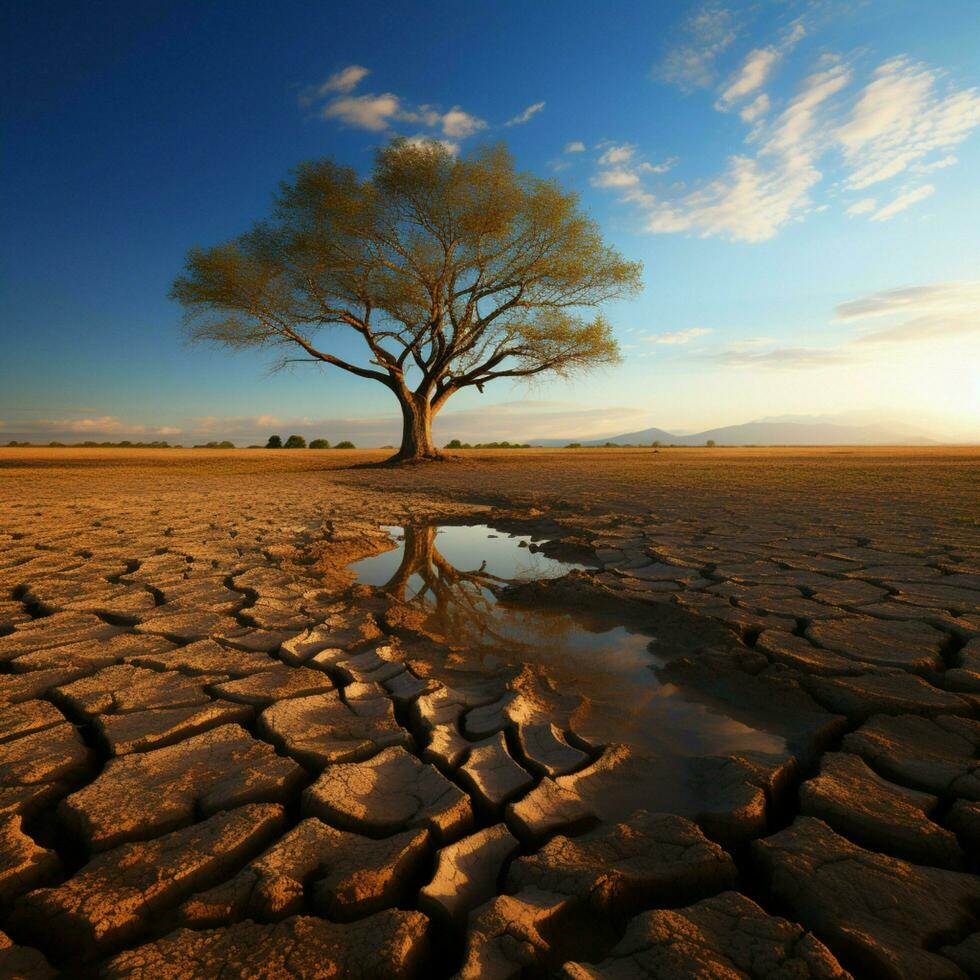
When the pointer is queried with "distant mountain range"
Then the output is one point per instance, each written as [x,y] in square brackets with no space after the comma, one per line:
[785,431]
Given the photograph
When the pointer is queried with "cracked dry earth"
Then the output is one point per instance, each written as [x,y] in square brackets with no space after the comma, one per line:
[220,756]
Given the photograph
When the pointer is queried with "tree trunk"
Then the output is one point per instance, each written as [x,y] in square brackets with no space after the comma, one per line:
[416,430]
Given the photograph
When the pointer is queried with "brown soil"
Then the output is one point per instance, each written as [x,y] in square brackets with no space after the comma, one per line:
[191,687]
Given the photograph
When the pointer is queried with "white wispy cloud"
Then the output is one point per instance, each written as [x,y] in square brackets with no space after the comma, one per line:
[903,117]
[616,153]
[657,168]
[947,161]
[904,201]
[638,196]
[340,82]
[345,80]
[958,296]
[784,357]
[678,337]
[622,171]
[371,112]
[529,113]
[930,314]
[795,33]
[690,63]
[576,146]
[459,124]
[931,327]
[102,425]
[751,76]
[900,118]
[619,177]
[798,130]
[757,108]
[758,195]
[378,113]
[863,206]
[754,72]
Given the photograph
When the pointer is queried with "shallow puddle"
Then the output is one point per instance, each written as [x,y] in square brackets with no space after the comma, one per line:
[602,667]
[477,547]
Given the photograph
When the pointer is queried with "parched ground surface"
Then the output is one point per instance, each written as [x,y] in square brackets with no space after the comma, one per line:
[221,756]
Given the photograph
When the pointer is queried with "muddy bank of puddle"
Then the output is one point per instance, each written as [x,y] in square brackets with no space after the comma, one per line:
[605,668]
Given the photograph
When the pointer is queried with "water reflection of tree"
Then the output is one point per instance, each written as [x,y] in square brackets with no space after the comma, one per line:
[460,602]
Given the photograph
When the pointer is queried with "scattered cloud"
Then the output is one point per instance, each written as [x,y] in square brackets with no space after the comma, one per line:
[378,113]
[371,112]
[759,194]
[103,425]
[751,76]
[576,146]
[341,82]
[929,315]
[678,337]
[623,171]
[936,298]
[459,124]
[616,153]
[900,118]
[946,161]
[794,34]
[935,312]
[658,168]
[932,327]
[903,118]
[757,108]
[690,64]
[784,357]
[796,130]
[754,73]
[529,113]
[904,201]
[638,196]
[863,206]
[615,178]
[345,80]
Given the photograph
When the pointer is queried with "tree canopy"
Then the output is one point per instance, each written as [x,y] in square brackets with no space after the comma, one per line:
[452,271]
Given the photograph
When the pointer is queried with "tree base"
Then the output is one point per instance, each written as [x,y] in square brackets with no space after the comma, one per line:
[415,459]
[398,460]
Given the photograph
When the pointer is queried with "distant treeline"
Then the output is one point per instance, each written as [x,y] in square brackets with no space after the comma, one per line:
[275,442]
[456,444]
[298,442]
[90,444]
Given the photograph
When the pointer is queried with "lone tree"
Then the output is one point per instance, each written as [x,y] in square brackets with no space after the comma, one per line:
[448,273]
[275,442]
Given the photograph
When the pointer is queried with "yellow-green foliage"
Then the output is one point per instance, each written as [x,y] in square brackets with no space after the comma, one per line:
[453,271]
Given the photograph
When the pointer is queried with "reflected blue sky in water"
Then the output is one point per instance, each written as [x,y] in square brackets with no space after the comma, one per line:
[609,666]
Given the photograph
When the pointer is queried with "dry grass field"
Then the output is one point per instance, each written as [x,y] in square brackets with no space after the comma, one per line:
[219,753]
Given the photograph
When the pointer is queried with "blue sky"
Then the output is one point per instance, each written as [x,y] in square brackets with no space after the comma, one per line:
[799,179]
